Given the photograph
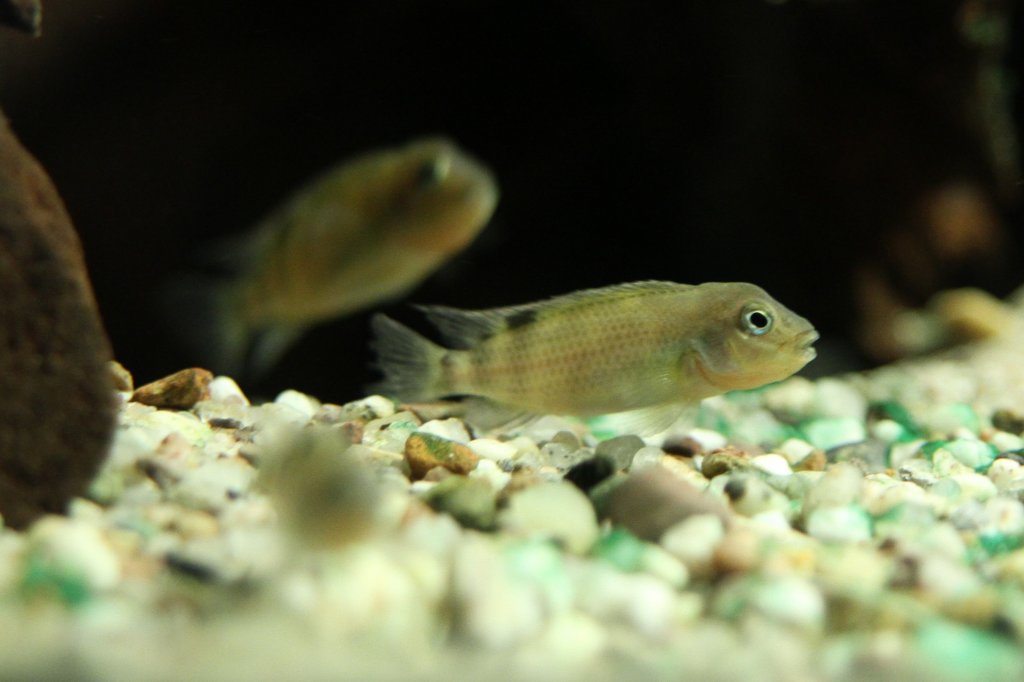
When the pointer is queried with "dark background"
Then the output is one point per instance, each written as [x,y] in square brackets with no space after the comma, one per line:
[782,144]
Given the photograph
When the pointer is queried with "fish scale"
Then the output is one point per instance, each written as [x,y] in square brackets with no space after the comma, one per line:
[620,348]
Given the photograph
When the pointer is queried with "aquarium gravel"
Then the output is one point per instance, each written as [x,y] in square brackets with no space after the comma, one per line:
[855,528]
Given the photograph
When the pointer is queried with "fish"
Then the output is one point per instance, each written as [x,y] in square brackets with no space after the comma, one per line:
[644,350]
[364,232]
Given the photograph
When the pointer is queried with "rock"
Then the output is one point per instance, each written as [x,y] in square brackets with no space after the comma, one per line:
[555,510]
[1008,420]
[650,501]
[424,451]
[367,409]
[57,403]
[750,495]
[121,377]
[495,450]
[590,472]
[868,455]
[724,461]
[469,501]
[772,464]
[620,449]
[305,405]
[225,390]
[178,391]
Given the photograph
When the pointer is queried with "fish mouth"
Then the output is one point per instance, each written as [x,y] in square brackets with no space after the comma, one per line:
[805,344]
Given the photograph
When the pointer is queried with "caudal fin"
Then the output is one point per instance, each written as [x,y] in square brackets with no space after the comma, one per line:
[410,363]
[200,312]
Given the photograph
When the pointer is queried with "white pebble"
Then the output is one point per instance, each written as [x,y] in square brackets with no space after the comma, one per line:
[495,450]
[646,456]
[839,524]
[772,464]
[224,389]
[305,405]
[792,600]
[664,565]
[693,541]
[975,486]
[556,510]
[772,518]
[451,428]
[709,440]
[1005,442]
[78,547]
[795,450]
[887,430]
[488,470]
[1003,471]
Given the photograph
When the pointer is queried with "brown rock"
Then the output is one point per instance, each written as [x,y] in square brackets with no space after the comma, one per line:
[815,461]
[179,391]
[424,451]
[121,377]
[56,396]
[652,500]
[723,461]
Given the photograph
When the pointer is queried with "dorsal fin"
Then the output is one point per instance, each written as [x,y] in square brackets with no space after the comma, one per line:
[467,328]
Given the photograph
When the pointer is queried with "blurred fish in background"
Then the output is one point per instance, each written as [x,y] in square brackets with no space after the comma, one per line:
[364,232]
[854,157]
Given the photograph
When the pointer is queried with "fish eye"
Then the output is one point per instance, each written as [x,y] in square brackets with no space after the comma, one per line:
[757,321]
[433,172]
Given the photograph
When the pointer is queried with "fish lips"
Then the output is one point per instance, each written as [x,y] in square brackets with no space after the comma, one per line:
[805,344]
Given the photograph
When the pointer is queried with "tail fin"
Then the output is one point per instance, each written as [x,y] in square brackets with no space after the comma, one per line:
[200,312]
[411,364]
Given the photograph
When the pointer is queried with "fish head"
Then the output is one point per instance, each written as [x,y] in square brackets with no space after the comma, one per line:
[749,339]
[441,197]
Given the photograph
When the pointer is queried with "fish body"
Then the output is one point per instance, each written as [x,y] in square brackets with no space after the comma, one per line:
[621,348]
[364,232]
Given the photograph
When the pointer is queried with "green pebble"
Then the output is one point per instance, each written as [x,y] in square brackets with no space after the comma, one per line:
[829,432]
[470,501]
[999,543]
[973,453]
[621,549]
[898,413]
[928,449]
[41,577]
[962,652]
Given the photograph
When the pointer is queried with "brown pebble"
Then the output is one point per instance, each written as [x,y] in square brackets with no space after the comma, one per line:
[1009,421]
[179,391]
[652,500]
[682,447]
[121,377]
[424,451]
[815,461]
[723,461]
